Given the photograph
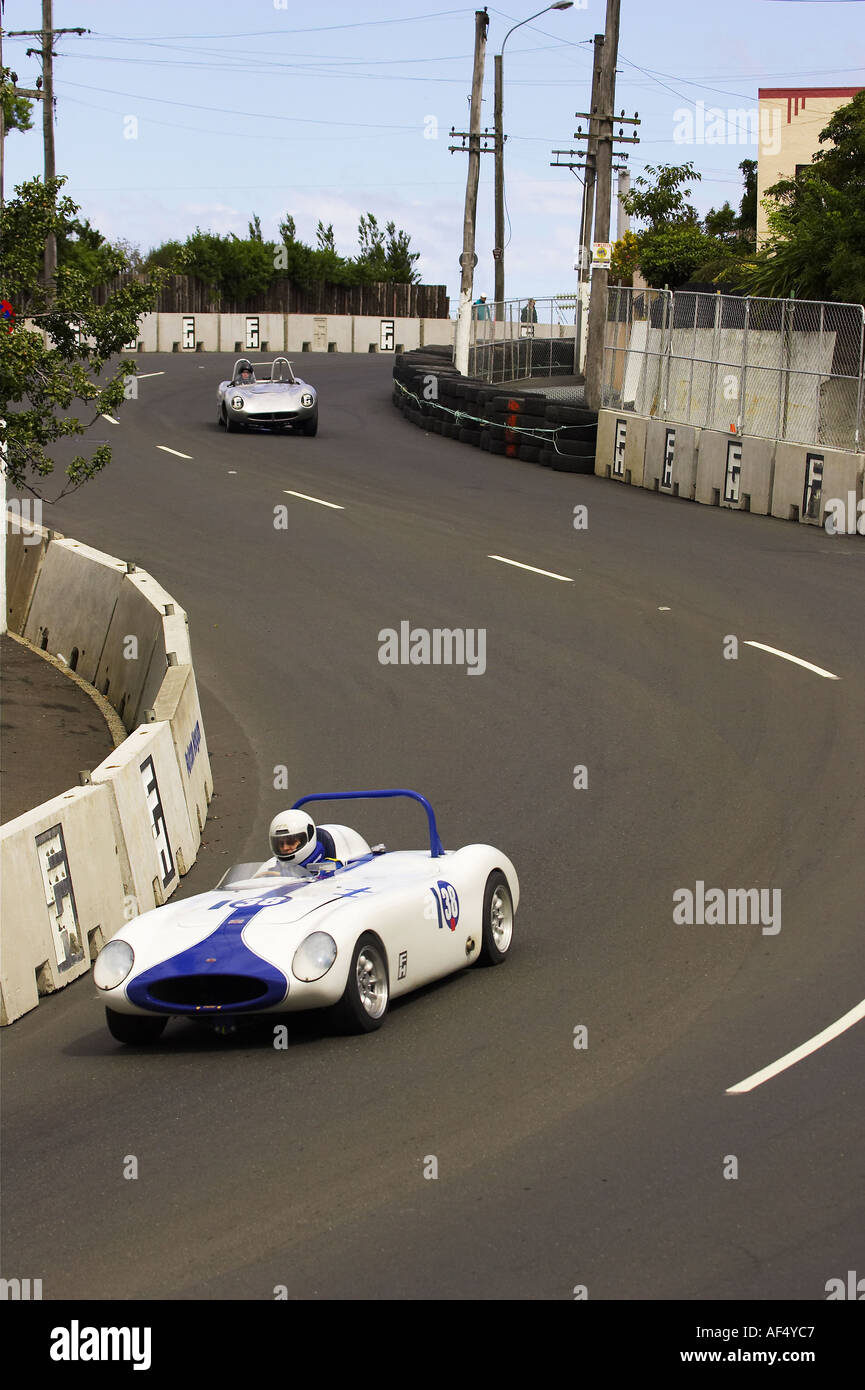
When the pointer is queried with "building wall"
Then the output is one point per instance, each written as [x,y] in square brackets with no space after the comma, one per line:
[791,119]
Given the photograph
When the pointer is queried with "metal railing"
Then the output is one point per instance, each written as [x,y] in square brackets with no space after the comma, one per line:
[784,369]
[520,338]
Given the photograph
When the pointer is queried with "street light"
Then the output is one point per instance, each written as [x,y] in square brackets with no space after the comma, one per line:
[500,155]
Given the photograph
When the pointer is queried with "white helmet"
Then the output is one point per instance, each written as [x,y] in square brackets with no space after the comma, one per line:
[292,837]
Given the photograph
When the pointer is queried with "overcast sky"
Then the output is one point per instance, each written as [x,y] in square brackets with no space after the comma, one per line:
[180,113]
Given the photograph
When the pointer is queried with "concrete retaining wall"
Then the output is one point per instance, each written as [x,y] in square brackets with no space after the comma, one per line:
[621,449]
[735,471]
[120,845]
[62,895]
[671,458]
[795,482]
[807,478]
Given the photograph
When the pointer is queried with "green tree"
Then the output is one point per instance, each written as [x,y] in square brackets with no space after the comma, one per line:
[722,223]
[324,237]
[288,229]
[625,259]
[748,207]
[400,259]
[42,379]
[671,255]
[255,233]
[662,200]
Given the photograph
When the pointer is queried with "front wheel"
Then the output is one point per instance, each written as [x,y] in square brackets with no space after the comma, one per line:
[310,427]
[135,1029]
[231,426]
[497,928]
[363,1005]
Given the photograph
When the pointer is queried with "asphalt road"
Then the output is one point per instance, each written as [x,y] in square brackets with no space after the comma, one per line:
[558,1166]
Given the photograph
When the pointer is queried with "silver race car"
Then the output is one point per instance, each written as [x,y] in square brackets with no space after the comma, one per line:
[267,396]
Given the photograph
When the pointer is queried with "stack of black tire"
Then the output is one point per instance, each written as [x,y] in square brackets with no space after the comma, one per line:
[428,389]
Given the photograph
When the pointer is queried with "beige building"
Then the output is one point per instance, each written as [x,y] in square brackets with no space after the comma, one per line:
[790,121]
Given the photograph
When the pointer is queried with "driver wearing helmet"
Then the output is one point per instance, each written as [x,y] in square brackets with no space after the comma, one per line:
[245,374]
[295,847]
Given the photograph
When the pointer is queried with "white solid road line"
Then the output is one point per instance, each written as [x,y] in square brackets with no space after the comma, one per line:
[110,418]
[306,497]
[776,651]
[819,1039]
[139,376]
[165,449]
[533,568]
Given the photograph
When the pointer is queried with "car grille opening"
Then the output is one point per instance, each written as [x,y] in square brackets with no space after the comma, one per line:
[273,415]
[207,991]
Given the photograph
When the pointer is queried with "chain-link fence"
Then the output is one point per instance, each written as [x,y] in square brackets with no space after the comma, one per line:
[779,368]
[519,338]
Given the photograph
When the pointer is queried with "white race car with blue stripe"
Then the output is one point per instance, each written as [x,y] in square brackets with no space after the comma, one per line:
[360,928]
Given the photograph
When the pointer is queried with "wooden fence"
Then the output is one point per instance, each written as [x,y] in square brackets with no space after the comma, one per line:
[184,294]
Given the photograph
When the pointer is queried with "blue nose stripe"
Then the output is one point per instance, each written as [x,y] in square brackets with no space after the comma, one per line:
[223,952]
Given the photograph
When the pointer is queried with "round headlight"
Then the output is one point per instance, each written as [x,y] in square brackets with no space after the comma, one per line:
[113,964]
[237,402]
[314,957]
[306,400]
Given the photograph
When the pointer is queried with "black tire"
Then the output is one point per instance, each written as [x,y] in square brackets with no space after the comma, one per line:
[467,436]
[529,453]
[231,426]
[520,405]
[484,440]
[310,427]
[576,448]
[497,895]
[566,463]
[350,1014]
[571,415]
[136,1030]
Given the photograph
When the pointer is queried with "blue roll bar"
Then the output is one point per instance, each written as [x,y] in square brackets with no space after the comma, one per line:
[435,844]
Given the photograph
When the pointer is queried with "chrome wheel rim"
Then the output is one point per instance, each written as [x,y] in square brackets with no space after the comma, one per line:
[501,919]
[371,981]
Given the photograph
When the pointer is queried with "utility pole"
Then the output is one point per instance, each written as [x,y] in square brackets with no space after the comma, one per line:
[598,117]
[48,125]
[468,259]
[47,34]
[603,195]
[499,251]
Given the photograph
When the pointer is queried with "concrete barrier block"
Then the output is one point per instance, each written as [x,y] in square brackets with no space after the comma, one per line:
[76,593]
[24,556]
[621,446]
[808,477]
[149,811]
[735,471]
[62,895]
[407,334]
[301,328]
[437,331]
[671,458]
[177,705]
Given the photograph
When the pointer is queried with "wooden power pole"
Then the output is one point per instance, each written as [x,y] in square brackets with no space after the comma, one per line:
[468,259]
[603,199]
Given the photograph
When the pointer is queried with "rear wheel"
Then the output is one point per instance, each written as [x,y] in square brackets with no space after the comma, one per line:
[363,1005]
[497,927]
[134,1029]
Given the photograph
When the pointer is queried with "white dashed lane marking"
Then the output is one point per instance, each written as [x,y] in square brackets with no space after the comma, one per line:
[533,568]
[790,1058]
[320,500]
[776,651]
[165,449]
